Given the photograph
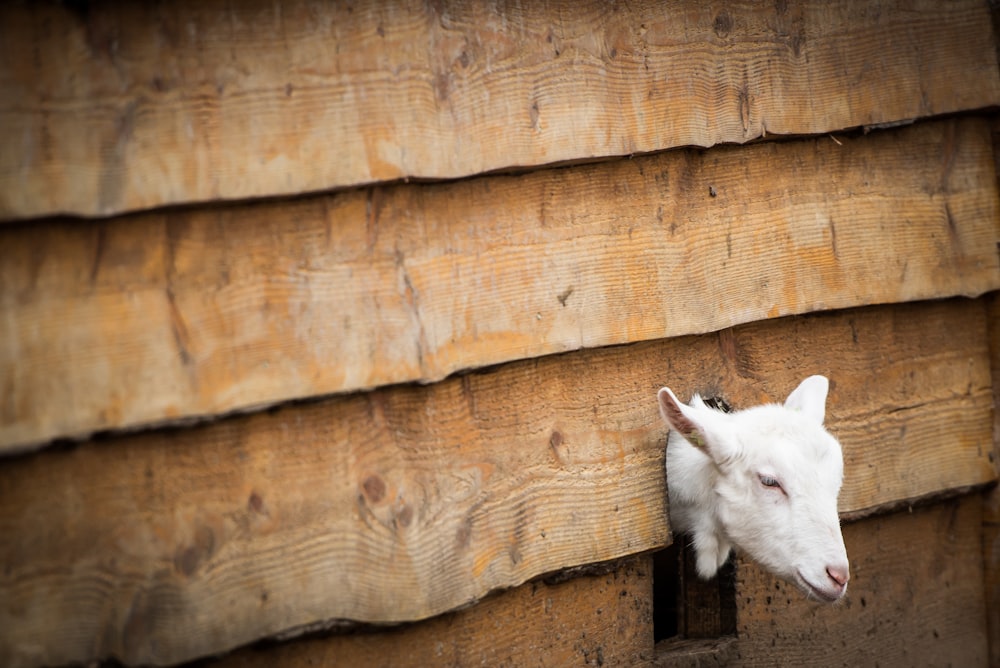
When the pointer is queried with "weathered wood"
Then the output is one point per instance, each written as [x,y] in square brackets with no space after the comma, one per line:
[991,506]
[107,107]
[706,608]
[409,501]
[158,317]
[915,598]
[700,653]
[596,620]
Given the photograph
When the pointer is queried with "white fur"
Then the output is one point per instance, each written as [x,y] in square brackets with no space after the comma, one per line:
[721,470]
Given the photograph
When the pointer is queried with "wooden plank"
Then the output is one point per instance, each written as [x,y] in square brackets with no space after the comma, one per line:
[107,107]
[700,653]
[915,599]
[158,317]
[392,506]
[406,502]
[991,505]
[878,394]
[705,608]
[602,620]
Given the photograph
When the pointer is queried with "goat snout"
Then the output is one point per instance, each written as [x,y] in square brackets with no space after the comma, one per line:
[839,575]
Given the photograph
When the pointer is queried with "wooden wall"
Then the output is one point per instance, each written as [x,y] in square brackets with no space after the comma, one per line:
[332,334]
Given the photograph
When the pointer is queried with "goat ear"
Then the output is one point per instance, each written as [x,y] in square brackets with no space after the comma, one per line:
[676,415]
[809,398]
[701,427]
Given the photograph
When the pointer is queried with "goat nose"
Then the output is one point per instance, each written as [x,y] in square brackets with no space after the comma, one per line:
[838,574]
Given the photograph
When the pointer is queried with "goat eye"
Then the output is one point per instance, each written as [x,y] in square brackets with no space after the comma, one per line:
[769,481]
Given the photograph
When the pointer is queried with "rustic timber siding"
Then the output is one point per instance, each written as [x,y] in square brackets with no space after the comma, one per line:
[411,501]
[117,108]
[913,602]
[317,318]
[204,311]
[991,509]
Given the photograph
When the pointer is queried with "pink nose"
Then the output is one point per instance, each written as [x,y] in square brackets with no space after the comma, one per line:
[838,574]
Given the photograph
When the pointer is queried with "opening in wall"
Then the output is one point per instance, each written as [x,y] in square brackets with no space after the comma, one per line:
[666,592]
[686,607]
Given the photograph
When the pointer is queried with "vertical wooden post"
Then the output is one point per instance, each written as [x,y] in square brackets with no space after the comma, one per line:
[991,505]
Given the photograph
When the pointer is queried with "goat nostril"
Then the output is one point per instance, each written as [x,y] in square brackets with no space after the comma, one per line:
[838,575]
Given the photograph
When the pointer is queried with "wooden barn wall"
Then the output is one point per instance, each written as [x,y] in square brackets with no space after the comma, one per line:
[916,598]
[991,507]
[602,619]
[406,502]
[195,312]
[911,603]
[112,107]
[361,327]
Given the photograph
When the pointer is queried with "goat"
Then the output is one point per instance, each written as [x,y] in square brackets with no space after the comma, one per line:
[764,480]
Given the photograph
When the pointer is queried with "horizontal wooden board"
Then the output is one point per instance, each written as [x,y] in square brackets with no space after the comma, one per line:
[108,107]
[591,620]
[190,313]
[680,652]
[915,598]
[405,502]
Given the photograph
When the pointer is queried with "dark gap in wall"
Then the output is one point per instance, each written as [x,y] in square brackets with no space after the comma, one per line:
[666,592]
[685,606]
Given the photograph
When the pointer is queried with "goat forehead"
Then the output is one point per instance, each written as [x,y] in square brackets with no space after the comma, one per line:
[777,431]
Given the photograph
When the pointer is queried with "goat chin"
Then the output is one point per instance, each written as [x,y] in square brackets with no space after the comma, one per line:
[821,594]
[765,481]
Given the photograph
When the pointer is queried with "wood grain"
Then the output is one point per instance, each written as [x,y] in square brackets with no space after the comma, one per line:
[406,502]
[991,505]
[161,317]
[915,598]
[593,620]
[107,107]
[991,501]
[699,653]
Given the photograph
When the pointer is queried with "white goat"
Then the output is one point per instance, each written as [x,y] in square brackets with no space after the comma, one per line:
[764,480]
